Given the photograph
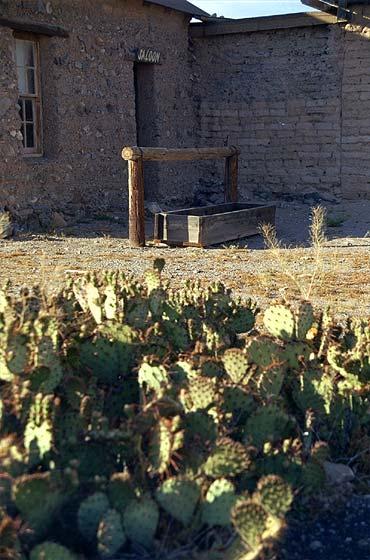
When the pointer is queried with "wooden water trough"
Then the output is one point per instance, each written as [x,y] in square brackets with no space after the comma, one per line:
[193,226]
[210,225]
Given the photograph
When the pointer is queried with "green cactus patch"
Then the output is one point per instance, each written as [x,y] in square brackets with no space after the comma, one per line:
[275,495]
[152,377]
[228,459]
[37,500]
[140,521]
[218,503]
[51,551]
[179,497]
[236,364]
[202,393]
[250,521]
[268,424]
[279,321]
[90,513]
[111,536]
[120,491]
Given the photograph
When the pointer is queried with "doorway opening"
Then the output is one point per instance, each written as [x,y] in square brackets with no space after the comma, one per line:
[147,133]
[146,121]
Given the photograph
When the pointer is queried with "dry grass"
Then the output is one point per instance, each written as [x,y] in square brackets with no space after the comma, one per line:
[338,276]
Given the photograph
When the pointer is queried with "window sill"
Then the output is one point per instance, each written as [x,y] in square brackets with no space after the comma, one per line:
[33,159]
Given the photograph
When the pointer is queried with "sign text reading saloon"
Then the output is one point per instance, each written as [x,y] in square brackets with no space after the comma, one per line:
[148,55]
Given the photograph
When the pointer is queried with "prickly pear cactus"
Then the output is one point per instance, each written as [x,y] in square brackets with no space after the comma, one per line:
[267,424]
[279,321]
[236,364]
[120,491]
[51,551]
[275,495]
[201,394]
[140,521]
[101,357]
[37,500]
[147,413]
[228,459]
[218,502]
[165,440]
[38,433]
[179,497]
[304,318]
[152,377]
[90,513]
[111,536]
[263,352]
[250,521]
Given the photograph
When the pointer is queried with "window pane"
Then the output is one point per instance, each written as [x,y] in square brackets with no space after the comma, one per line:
[24,139]
[21,111]
[24,53]
[31,81]
[22,82]
[30,139]
[29,110]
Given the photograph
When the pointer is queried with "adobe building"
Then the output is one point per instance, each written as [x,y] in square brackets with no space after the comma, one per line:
[81,79]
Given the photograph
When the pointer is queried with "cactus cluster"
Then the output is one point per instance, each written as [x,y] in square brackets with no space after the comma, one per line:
[135,418]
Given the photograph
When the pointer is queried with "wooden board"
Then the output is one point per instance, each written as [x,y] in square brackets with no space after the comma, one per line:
[211,225]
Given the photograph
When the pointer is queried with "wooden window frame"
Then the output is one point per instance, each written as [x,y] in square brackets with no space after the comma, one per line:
[37,150]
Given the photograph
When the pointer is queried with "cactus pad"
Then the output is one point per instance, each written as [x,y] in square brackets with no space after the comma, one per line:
[140,521]
[275,495]
[111,536]
[235,363]
[279,321]
[219,501]
[263,352]
[179,497]
[51,551]
[201,392]
[90,512]
[250,521]
[152,377]
[304,317]
[37,500]
[229,458]
[267,424]
[120,491]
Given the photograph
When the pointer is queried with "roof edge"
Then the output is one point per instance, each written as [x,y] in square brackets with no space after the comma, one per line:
[180,6]
[263,23]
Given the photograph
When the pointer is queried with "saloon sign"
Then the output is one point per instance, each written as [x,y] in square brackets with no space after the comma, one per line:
[148,55]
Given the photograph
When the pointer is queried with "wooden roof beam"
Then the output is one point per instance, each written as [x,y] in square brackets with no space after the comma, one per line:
[39,28]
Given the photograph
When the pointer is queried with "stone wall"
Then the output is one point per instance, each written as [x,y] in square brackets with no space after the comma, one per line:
[89,105]
[296,102]
[356,112]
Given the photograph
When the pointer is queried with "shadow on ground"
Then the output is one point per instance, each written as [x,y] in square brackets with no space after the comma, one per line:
[345,221]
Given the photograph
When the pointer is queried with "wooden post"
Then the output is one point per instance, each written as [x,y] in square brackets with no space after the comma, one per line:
[136,203]
[231,177]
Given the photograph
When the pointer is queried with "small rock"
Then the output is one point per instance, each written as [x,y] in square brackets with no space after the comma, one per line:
[315,545]
[57,220]
[5,104]
[6,226]
[338,474]
[364,544]
[153,207]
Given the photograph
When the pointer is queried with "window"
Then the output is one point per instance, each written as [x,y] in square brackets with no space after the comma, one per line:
[28,70]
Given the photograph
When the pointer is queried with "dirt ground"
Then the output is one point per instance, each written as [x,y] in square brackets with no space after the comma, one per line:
[341,280]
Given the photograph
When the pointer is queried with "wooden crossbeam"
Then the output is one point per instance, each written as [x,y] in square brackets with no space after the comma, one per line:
[136,156]
[39,28]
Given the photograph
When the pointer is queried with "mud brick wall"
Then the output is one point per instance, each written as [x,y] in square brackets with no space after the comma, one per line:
[297,102]
[277,95]
[355,165]
[89,106]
